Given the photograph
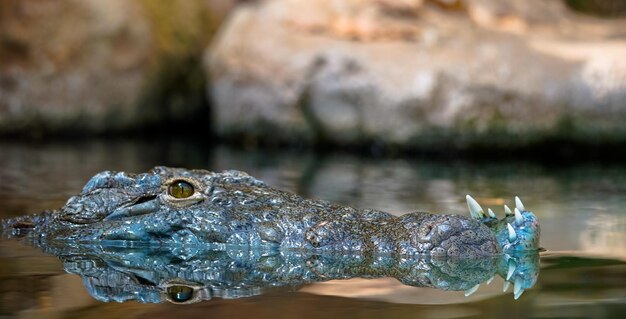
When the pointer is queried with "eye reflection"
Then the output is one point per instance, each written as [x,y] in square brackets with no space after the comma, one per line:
[180,189]
[180,293]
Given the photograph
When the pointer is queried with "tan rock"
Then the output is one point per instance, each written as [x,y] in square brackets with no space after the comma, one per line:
[482,73]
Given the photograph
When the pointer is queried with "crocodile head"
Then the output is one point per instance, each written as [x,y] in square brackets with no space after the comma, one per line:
[162,206]
[183,208]
[110,196]
[518,231]
[165,206]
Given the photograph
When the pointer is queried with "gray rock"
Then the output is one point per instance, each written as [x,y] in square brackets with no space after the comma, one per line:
[415,73]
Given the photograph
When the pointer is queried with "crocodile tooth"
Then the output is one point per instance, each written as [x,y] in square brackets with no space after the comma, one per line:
[491,213]
[517,288]
[507,211]
[518,204]
[518,217]
[490,279]
[512,234]
[511,270]
[506,286]
[472,290]
[475,210]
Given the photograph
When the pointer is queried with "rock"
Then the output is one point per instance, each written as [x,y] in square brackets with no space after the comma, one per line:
[100,66]
[419,73]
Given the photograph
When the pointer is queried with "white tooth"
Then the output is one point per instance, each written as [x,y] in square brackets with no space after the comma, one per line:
[517,288]
[518,217]
[475,210]
[512,234]
[491,213]
[511,269]
[506,286]
[507,211]
[490,279]
[518,294]
[518,204]
[472,290]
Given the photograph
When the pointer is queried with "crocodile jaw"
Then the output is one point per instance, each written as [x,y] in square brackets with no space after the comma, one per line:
[517,231]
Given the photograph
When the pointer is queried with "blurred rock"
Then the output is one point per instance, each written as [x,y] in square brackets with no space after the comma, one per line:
[419,73]
[100,66]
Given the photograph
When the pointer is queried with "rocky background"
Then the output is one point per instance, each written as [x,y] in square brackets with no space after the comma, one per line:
[398,74]
[94,67]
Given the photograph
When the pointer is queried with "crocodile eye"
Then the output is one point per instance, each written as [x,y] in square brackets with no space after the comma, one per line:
[180,189]
[180,293]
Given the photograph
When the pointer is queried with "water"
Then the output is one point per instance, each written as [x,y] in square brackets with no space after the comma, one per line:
[580,207]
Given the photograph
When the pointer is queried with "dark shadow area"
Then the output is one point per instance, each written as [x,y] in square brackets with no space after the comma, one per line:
[602,8]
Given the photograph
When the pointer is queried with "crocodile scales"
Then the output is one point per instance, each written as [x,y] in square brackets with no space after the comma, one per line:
[180,207]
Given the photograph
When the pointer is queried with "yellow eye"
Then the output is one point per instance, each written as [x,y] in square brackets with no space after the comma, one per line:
[180,293]
[180,189]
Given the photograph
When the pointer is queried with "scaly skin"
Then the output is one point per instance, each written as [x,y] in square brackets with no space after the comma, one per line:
[233,209]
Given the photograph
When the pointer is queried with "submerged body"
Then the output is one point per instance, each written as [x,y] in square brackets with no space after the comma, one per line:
[178,207]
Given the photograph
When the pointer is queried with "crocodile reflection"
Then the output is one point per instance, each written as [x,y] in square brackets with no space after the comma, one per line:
[152,275]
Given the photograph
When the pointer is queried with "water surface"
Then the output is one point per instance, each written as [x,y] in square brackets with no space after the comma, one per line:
[580,207]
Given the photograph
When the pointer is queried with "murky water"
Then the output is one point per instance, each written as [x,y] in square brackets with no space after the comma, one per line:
[580,207]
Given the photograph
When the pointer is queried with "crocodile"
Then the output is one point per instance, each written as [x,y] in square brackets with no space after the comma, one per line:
[176,207]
